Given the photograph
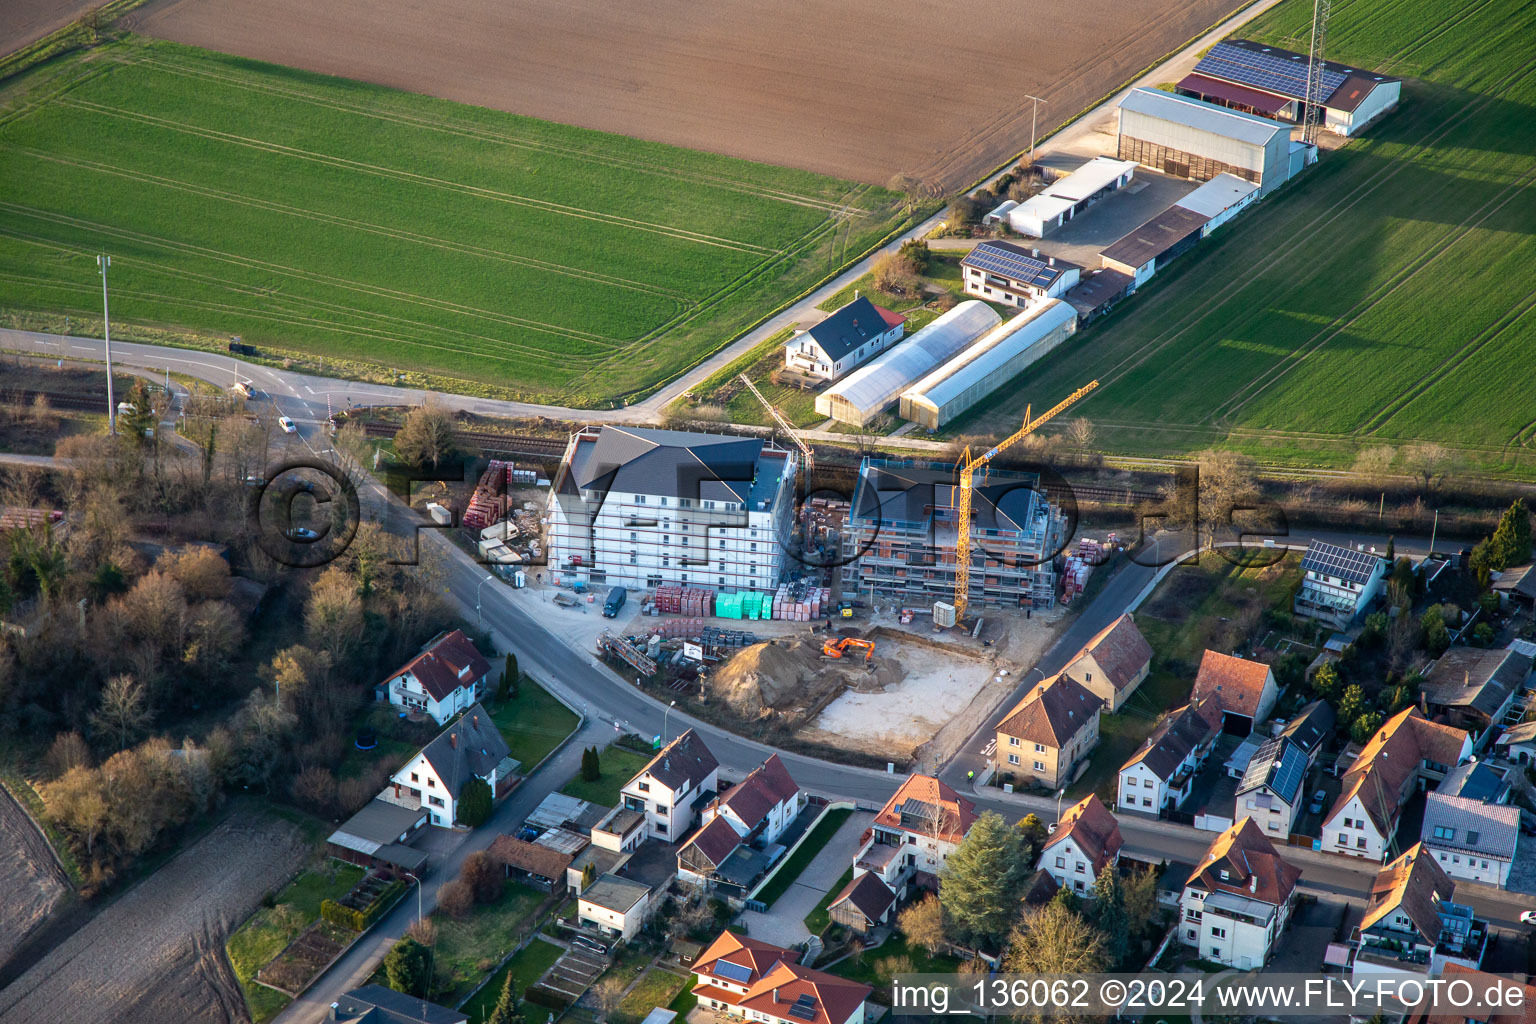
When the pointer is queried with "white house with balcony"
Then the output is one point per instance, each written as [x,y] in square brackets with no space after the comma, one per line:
[434,779]
[447,675]
[1239,899]
[1162,771]
[914,834]
[672,789]
[1339,584]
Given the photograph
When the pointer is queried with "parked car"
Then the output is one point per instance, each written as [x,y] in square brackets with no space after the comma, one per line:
[289,427]
[1528,917]
[1318,799]
[300,533]
[616,598]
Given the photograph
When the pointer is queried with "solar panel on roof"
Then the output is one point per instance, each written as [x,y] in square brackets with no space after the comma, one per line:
[804,1008]
[1277,72]
[1021,268]
[733,972]
[1345,563]
[1278,763]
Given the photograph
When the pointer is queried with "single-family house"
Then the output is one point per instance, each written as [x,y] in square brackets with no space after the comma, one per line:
[862,904]
[375,1004]
[1271,791]
[1113,663]
[1311,727]
[762,805]
[1238,899]
[1011,274]
[1411,926]
[1406,752]
[447,675]
[1338,584]
[1245,690]
[1518,743]
[1474,688]
[1469,824]
[913,835]
[1517,586]
[672,788]
[853,334]
[757,981]
[615,906]
[378,836]
[1161,772]
[535,864]
[1048,733]
[471,748]
[702,856]
[1086,840]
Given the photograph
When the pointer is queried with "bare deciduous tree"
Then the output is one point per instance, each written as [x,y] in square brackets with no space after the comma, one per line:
[426,436]
[124,710]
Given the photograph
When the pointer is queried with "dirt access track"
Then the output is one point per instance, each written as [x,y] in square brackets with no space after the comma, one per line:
[157,953]
[31,881]
[860,89]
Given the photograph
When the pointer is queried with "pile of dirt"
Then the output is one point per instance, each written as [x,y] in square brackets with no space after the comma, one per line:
[792,679]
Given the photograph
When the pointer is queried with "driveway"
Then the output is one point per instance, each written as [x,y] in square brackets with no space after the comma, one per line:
[784,923]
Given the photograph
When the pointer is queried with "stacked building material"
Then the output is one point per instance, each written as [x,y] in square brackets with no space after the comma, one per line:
[488,504]
[800,601]
[625,651]
[1074,577]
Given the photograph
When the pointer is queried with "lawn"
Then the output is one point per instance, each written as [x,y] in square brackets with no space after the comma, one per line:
[619,765]
[863,968]
[807,851]
[655,988]
[817,920]
[533,723]
[487,934]
[1382,298]
[266,932]
[391,232]
[526,967]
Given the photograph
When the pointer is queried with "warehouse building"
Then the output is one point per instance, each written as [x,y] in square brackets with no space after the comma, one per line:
[1154,244]
[1068,196]
[858,331]
[1272,83]
[1098,293]
[1011,274]
[902,532]
[642,508]
[867,391]
[1189,138]
[1220,199]
[995,359]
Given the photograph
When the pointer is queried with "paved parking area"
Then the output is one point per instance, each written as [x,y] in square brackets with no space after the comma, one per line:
[1312,927]
[784,923]
[1081,239]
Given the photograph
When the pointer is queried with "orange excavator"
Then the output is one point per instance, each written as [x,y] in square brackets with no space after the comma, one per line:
[837,647]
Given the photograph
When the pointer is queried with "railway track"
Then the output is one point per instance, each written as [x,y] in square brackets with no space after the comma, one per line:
[485,441]
[61,400]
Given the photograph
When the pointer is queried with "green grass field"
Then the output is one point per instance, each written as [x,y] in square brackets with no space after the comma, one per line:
[618,767]
[1383,297]
[388,231]
[527,967]
[533,723]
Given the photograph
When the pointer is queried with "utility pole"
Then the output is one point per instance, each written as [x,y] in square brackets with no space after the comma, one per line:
[103,262]
[1034,119]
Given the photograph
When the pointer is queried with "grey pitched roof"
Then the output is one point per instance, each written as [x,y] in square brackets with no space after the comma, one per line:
[1475,678]
[1475,780]
[375,1004]
[685,759]
[378,824]
[850,327]
[1490,829]
[1279,764]
[1208,117]
[1176,736]
[1311,725]
[1155,237]
[472,746]
[669,463]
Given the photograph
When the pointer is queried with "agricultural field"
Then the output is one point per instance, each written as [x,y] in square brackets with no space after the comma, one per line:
[468,249]
[858,89]
[1383,298]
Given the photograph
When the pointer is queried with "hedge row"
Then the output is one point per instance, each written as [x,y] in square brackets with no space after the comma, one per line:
[359,920]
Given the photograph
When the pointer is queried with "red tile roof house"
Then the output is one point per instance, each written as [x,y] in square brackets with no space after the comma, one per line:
[761,982]
[446,677]
[1084,843]
[1113,663]
[1246,690]
[1238,899]
[756,811]
[914,834]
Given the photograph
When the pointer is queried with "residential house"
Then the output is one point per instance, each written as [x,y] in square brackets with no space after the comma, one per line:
[757,981]
[534,864]
[1238,899]
[702,858]
[1162,771]
[1086,840]
[1407,751]
[1434,1010]
[375,1004]
[377,838]
[737,841]
[1338,584]
[1245,690]
[1517,587]
[621,830]
[1474,688]
[1271,791]
[672,788]
[1113,663]
[1470,826]
[445,677]
[1008,273]
[858,331]
[914,834]
[471,748]
[1518,743]
[1410,924]
[1311,728]
[615,906]
[1049,733]
[862,904]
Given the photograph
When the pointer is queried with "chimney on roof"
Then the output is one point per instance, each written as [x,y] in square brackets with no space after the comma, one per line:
[1050,261]
[1035,253]
[775,993]
[1253,885]
[453,740]
[475,719]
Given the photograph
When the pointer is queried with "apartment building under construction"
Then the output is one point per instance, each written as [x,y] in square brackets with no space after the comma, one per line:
[903,526]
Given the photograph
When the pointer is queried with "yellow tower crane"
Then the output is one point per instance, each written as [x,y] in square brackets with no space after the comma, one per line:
[968,467]
[784,424]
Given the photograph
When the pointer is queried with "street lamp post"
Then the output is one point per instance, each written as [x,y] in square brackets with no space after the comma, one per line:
[102,263]
[664,716]
[479,620]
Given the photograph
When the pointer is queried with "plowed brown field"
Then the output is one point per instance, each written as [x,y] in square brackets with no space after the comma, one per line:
[860,89]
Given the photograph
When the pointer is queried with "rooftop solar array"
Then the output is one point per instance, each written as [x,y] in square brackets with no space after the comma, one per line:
[1273,70]
[733,972]
[804,1008]
[1005,262]
[1279,764]
[1344,563]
